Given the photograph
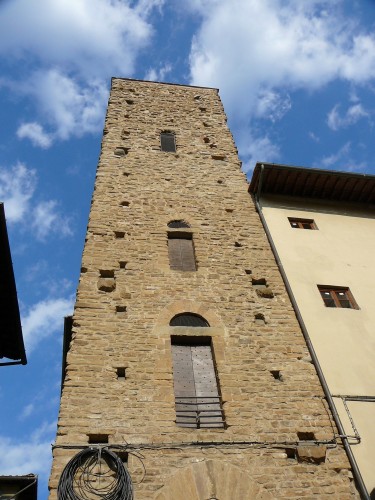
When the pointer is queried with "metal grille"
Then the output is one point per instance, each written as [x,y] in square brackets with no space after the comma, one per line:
[199,412]
[188,319]
[177,223]
[197,397]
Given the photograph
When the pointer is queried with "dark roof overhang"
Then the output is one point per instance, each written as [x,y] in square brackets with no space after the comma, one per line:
[313,183]
[11,339]
[23,487]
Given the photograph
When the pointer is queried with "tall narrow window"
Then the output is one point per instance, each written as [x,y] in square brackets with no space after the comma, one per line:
[337,297]
[197,398]
[168,142]
[181,251]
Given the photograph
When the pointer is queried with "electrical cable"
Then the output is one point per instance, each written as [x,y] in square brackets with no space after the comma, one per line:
[95,473]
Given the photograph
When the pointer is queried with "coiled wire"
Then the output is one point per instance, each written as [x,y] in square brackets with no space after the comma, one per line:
[95,473]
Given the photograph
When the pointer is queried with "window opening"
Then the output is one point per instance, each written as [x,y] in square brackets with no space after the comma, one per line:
[181,252]
[298,223]
[337,297]
[188,319]
[168,142]
[197,397]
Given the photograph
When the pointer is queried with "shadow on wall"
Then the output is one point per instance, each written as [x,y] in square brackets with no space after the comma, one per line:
[212,479]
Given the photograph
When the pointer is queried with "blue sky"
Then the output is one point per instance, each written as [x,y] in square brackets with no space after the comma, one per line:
[297,79]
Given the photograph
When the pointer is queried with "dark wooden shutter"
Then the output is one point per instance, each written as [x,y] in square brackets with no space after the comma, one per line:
[167,142]
[181,253]
[195,386]
[184,386]
[206,390]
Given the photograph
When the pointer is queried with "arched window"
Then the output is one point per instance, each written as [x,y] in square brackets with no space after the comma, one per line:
[188,319]
[175,224]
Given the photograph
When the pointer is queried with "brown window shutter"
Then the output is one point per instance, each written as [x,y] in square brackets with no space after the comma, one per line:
[184,387]
[181,253]
[196,391]
[206,390]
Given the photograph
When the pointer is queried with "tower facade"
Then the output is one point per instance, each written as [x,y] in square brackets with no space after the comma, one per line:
[184,354]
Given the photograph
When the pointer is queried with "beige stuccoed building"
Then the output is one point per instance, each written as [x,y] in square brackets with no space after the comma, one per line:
[322,228]
[184,363]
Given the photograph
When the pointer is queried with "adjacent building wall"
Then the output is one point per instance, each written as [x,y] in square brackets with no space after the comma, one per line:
[279,440]
[340,253]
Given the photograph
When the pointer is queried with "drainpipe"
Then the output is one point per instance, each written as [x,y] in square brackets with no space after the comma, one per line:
[356,473]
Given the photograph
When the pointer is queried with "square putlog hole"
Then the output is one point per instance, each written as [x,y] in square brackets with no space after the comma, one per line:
[306,436]
[277,375]
[123,456]
[121,373]
[121,309]
[119,234]
[98,438]
[107,273]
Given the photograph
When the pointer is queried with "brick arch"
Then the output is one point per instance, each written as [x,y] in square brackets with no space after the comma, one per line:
[181,306]
[212,479]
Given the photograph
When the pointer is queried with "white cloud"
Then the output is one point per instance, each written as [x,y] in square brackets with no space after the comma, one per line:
[354,113]
[90,37]
[159,75]
[27,411]
[30,456]
[314,137]
[35,133]
[246,46]
[76,46]
[17,186]
[17,190]
[45,319]
[257,149]
[340,155]
[70,107]
[272,105]
[46,219]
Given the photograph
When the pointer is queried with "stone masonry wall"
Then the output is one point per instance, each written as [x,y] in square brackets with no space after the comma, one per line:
[280,440]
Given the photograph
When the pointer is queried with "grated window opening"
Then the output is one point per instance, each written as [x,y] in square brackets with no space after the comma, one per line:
[188,319]
[175,224]
[168,142]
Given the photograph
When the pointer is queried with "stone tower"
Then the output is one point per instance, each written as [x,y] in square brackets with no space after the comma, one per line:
[184,349]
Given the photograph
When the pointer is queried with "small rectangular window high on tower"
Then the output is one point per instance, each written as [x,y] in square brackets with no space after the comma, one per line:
[168,142]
